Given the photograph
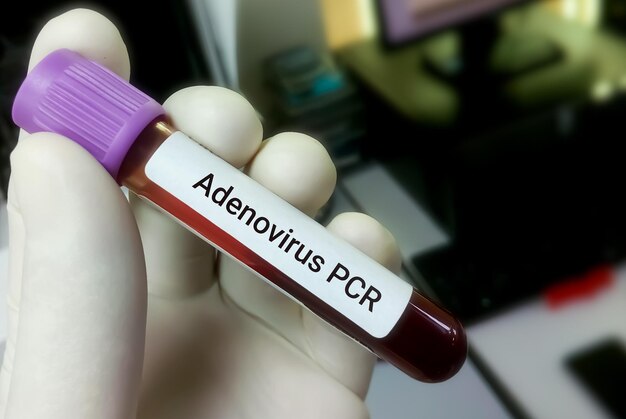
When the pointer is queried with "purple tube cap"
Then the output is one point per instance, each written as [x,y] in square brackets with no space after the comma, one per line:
[72,96]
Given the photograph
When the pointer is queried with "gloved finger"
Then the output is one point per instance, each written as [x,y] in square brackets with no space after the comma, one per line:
[86,32]
[96,37]
[178,262]
[340,356]
[299,169]
[78,293]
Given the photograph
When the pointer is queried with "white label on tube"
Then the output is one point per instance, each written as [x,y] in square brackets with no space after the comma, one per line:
[364,291]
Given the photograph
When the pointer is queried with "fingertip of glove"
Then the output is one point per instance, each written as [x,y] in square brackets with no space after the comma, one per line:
[88,32]
[296,167]
[220,119]
[370,236]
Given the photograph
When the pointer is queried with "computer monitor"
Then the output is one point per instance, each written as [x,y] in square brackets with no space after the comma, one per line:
[525,202]
[476,22]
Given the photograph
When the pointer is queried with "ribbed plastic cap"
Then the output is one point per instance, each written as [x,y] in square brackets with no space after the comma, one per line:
[67,94]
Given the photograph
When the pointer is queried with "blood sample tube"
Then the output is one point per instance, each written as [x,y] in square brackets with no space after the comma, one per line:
[129,133]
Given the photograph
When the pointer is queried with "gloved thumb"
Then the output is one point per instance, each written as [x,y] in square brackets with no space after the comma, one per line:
[77,293]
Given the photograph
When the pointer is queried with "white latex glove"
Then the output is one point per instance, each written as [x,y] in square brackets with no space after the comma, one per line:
[117,312]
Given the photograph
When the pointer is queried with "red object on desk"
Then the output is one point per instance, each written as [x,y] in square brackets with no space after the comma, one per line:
[576,288]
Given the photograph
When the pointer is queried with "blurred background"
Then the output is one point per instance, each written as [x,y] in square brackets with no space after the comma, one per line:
[486,135]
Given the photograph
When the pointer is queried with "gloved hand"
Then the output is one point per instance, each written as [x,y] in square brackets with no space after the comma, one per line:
[116,311]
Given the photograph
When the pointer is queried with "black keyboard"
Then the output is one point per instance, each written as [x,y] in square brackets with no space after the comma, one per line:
[476,284]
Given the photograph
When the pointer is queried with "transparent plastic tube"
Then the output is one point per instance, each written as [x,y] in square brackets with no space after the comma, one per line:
[131,136]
